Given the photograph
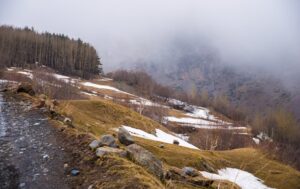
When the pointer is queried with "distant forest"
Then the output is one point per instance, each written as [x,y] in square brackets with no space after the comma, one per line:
[26,48]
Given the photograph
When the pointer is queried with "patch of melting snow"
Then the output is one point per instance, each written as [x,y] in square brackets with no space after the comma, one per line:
[242,178]
[58,76]
[145,102]
[183,136]
[105,79]
[104,87]
[256,140]
[201,123]
[189,120]
[176,102]
[160,136]
[264,136]
[200,112]
[28,74]
[86,93]
[65,78]
[108,97]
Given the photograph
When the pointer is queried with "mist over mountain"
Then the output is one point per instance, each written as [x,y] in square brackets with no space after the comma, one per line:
[214,45]
[262,34]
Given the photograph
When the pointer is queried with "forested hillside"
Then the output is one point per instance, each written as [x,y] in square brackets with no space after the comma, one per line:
[26,48]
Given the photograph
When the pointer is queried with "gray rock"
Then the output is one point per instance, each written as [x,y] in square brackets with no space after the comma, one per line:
[75,172]
[176,142]
[103,151]
[26,87]
[125,137]
[190,171]
[162,146]
[94,144]
[22,185]
[146,159]
[107,140]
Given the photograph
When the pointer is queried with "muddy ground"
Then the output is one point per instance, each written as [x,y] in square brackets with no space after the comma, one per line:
[31,152]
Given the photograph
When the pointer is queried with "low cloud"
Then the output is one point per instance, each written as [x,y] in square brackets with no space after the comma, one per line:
[258,33]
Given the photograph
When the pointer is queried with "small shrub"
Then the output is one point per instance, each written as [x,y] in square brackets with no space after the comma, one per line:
[45,83]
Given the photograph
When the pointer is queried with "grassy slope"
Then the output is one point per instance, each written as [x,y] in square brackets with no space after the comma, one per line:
[274,173]
[98,117]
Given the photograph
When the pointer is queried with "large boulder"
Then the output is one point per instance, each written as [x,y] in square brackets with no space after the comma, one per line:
[103,151]
[125,137]
[107,140]
[146,159]
[25,87]
[94,144]
[190,171]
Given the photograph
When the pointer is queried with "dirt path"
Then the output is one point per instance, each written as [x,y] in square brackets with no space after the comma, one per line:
[31,155]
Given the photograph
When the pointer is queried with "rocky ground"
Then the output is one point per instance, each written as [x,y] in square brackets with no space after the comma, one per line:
[31,154]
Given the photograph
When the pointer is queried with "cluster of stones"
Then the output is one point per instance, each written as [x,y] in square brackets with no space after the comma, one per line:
[107,145]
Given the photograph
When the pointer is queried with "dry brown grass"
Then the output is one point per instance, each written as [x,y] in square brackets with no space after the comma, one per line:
[101,116]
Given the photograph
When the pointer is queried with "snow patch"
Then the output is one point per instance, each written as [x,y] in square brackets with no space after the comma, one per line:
[145,102]
[105,79]
[103,87]
[202,123]
[183,136]
[242,178]
[28,74]
[200,112]
[86,93]
[58,76]
[264,137]
[188,120]
[176,102]
[160,136]
[256,140]
[108,97]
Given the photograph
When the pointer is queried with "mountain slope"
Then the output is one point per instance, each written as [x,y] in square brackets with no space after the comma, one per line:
[104,111]
[253,92]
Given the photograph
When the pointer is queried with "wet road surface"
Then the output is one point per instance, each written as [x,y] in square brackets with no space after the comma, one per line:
[31,156]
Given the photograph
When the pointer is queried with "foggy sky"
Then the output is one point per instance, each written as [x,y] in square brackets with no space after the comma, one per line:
[260,33]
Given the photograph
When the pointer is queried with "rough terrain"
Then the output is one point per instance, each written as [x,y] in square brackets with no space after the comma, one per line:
[31,155]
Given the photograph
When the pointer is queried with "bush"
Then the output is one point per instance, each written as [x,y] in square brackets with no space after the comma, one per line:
[45,83]
[141,82]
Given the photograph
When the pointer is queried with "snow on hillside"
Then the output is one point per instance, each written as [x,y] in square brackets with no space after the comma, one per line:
[105,79]
[188,120]
[28,74]
[86,93]
[160,136]
[242,178]
[103,87]
[203,113]
[198,117]
[201,123]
